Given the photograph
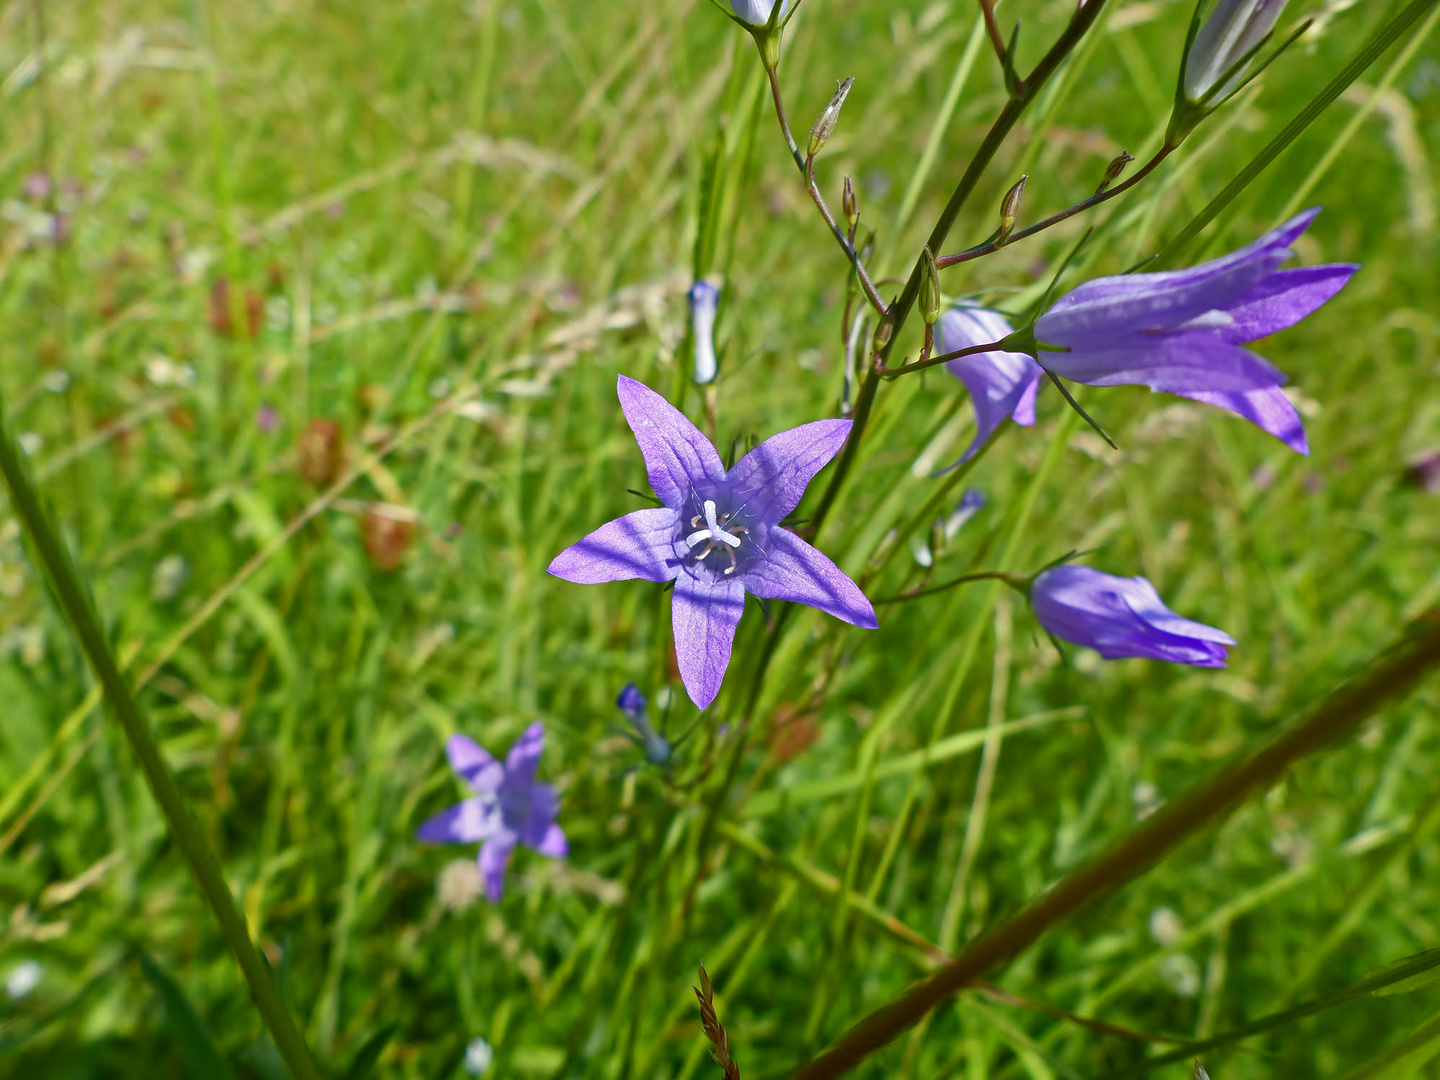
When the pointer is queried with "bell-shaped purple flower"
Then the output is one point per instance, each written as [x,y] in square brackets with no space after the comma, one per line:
[509,807]
[718,534]
[1180,332]
[1120,617]
[1001,384]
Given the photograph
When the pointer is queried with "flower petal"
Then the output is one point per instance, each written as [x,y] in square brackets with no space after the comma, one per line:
[1110,307]
[639,545]
[790,569]
[676,453]
[473,763]
[464,823]
[1283,299]
[554,843]
[1001,384]
[1269,410]
[520,762]
[494,858]
[1171,363]
[1122,617]
[704,615]
[770,480]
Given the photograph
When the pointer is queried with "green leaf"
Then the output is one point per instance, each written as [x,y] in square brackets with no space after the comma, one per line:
[184,1023]
[368,1055]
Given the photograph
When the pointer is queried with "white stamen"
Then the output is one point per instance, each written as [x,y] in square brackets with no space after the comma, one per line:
[715,530]
[697,537]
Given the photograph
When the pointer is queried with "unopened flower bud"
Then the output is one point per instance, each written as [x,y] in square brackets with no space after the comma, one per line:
[849,205]
[757,12]
[1010,207]
[886,329]
[825,126]
[1113,170]
[1232,30]
[704,300]
[930,287]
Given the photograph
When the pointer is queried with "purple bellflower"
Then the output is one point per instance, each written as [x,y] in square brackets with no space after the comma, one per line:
[509,807]
[718,534]
[1180,332]
[1120,617]
[1001,384]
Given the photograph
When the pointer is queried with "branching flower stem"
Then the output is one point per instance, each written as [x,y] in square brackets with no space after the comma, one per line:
[807,170]
[992,246]
[1029,87]
[76,604]
[1393,673]
[1013,580]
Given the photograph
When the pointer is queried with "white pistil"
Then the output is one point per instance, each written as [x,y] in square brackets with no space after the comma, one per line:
[714,532]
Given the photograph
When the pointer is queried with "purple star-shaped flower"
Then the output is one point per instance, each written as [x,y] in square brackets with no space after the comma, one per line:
[718,534]
[510,806]
[1180,332]
[1120,617]
[1001,384]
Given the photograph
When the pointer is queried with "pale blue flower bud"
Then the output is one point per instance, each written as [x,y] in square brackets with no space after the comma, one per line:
[704,300]
[1232,30]
[757,12]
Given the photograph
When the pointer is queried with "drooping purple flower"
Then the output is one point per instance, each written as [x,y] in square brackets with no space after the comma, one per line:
[1001,384]
[1180,332]
[718,534]
[509,807]
[1120,617]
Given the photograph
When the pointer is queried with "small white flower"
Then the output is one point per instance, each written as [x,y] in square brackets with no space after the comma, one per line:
[167,577]
[22,980]
[478,1057]
[1232,30]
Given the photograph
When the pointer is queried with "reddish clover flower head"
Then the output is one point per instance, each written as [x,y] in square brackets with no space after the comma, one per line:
[1122,617]
[509,806]
[718,534]
[1180,332]
[1002,384]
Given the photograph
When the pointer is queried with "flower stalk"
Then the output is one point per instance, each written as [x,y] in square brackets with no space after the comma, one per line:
[1394,673]
[77,606]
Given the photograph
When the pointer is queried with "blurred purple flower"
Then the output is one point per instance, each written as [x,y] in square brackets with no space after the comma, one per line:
[1001,384]
[510,806]
[37,185]
[1180,332]
[718,534]
[266,418]
[1120,617]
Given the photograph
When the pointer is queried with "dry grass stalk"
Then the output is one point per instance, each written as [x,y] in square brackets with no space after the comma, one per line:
[705,994]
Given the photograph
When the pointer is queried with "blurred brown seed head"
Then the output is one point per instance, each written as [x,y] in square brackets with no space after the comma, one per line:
[222,317]
[321,452]
[387,538]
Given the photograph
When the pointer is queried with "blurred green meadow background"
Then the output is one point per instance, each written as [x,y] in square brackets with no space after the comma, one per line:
[248,250]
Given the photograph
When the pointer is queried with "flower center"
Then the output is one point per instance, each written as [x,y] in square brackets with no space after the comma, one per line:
[713,536]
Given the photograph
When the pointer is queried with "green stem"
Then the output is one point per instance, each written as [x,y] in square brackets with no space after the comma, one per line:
[76,604]
[1394,673]
[1292,131]
[1009,116]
